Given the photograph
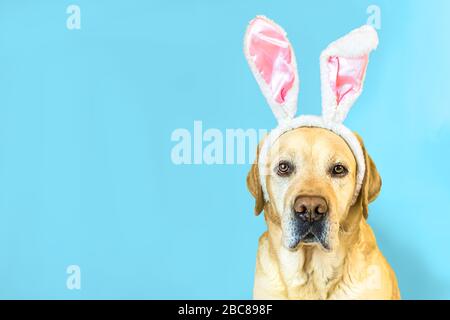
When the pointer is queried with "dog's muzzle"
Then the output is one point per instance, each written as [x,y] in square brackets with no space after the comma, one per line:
[309,221]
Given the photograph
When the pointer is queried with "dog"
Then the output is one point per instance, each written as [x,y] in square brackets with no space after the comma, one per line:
[333,253]
[313,177]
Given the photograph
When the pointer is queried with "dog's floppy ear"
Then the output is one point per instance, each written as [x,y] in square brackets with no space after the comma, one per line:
[254,184]
[371,184]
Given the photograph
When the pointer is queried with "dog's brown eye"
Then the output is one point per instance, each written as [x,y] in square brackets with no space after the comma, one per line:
[284,168]
[339,170]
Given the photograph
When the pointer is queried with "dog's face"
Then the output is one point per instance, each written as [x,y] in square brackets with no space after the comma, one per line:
[311,179]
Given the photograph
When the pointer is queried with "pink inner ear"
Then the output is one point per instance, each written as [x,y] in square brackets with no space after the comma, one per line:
[271,53]
[346,75]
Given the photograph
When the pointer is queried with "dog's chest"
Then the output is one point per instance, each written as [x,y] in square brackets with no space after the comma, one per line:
[308,275]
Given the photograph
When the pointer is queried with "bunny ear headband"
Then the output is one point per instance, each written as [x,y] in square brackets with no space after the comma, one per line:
[342,69]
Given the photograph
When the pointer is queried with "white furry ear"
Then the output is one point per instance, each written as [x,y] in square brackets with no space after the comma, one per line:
[272,61]
[342,69]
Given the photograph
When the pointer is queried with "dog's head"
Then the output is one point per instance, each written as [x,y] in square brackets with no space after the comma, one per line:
[311,179]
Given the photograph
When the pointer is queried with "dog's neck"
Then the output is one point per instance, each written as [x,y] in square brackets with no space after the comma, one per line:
[310,272]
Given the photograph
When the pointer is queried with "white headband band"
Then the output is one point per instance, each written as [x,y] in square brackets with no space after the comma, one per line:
[343,67]
[316,122]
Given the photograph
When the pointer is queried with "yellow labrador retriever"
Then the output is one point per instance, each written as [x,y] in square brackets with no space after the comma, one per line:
[333,254]
[313,177]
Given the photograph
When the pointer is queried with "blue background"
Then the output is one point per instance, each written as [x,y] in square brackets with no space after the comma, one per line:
[86,118]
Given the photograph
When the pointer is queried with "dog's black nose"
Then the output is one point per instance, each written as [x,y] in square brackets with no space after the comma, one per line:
[310,208]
